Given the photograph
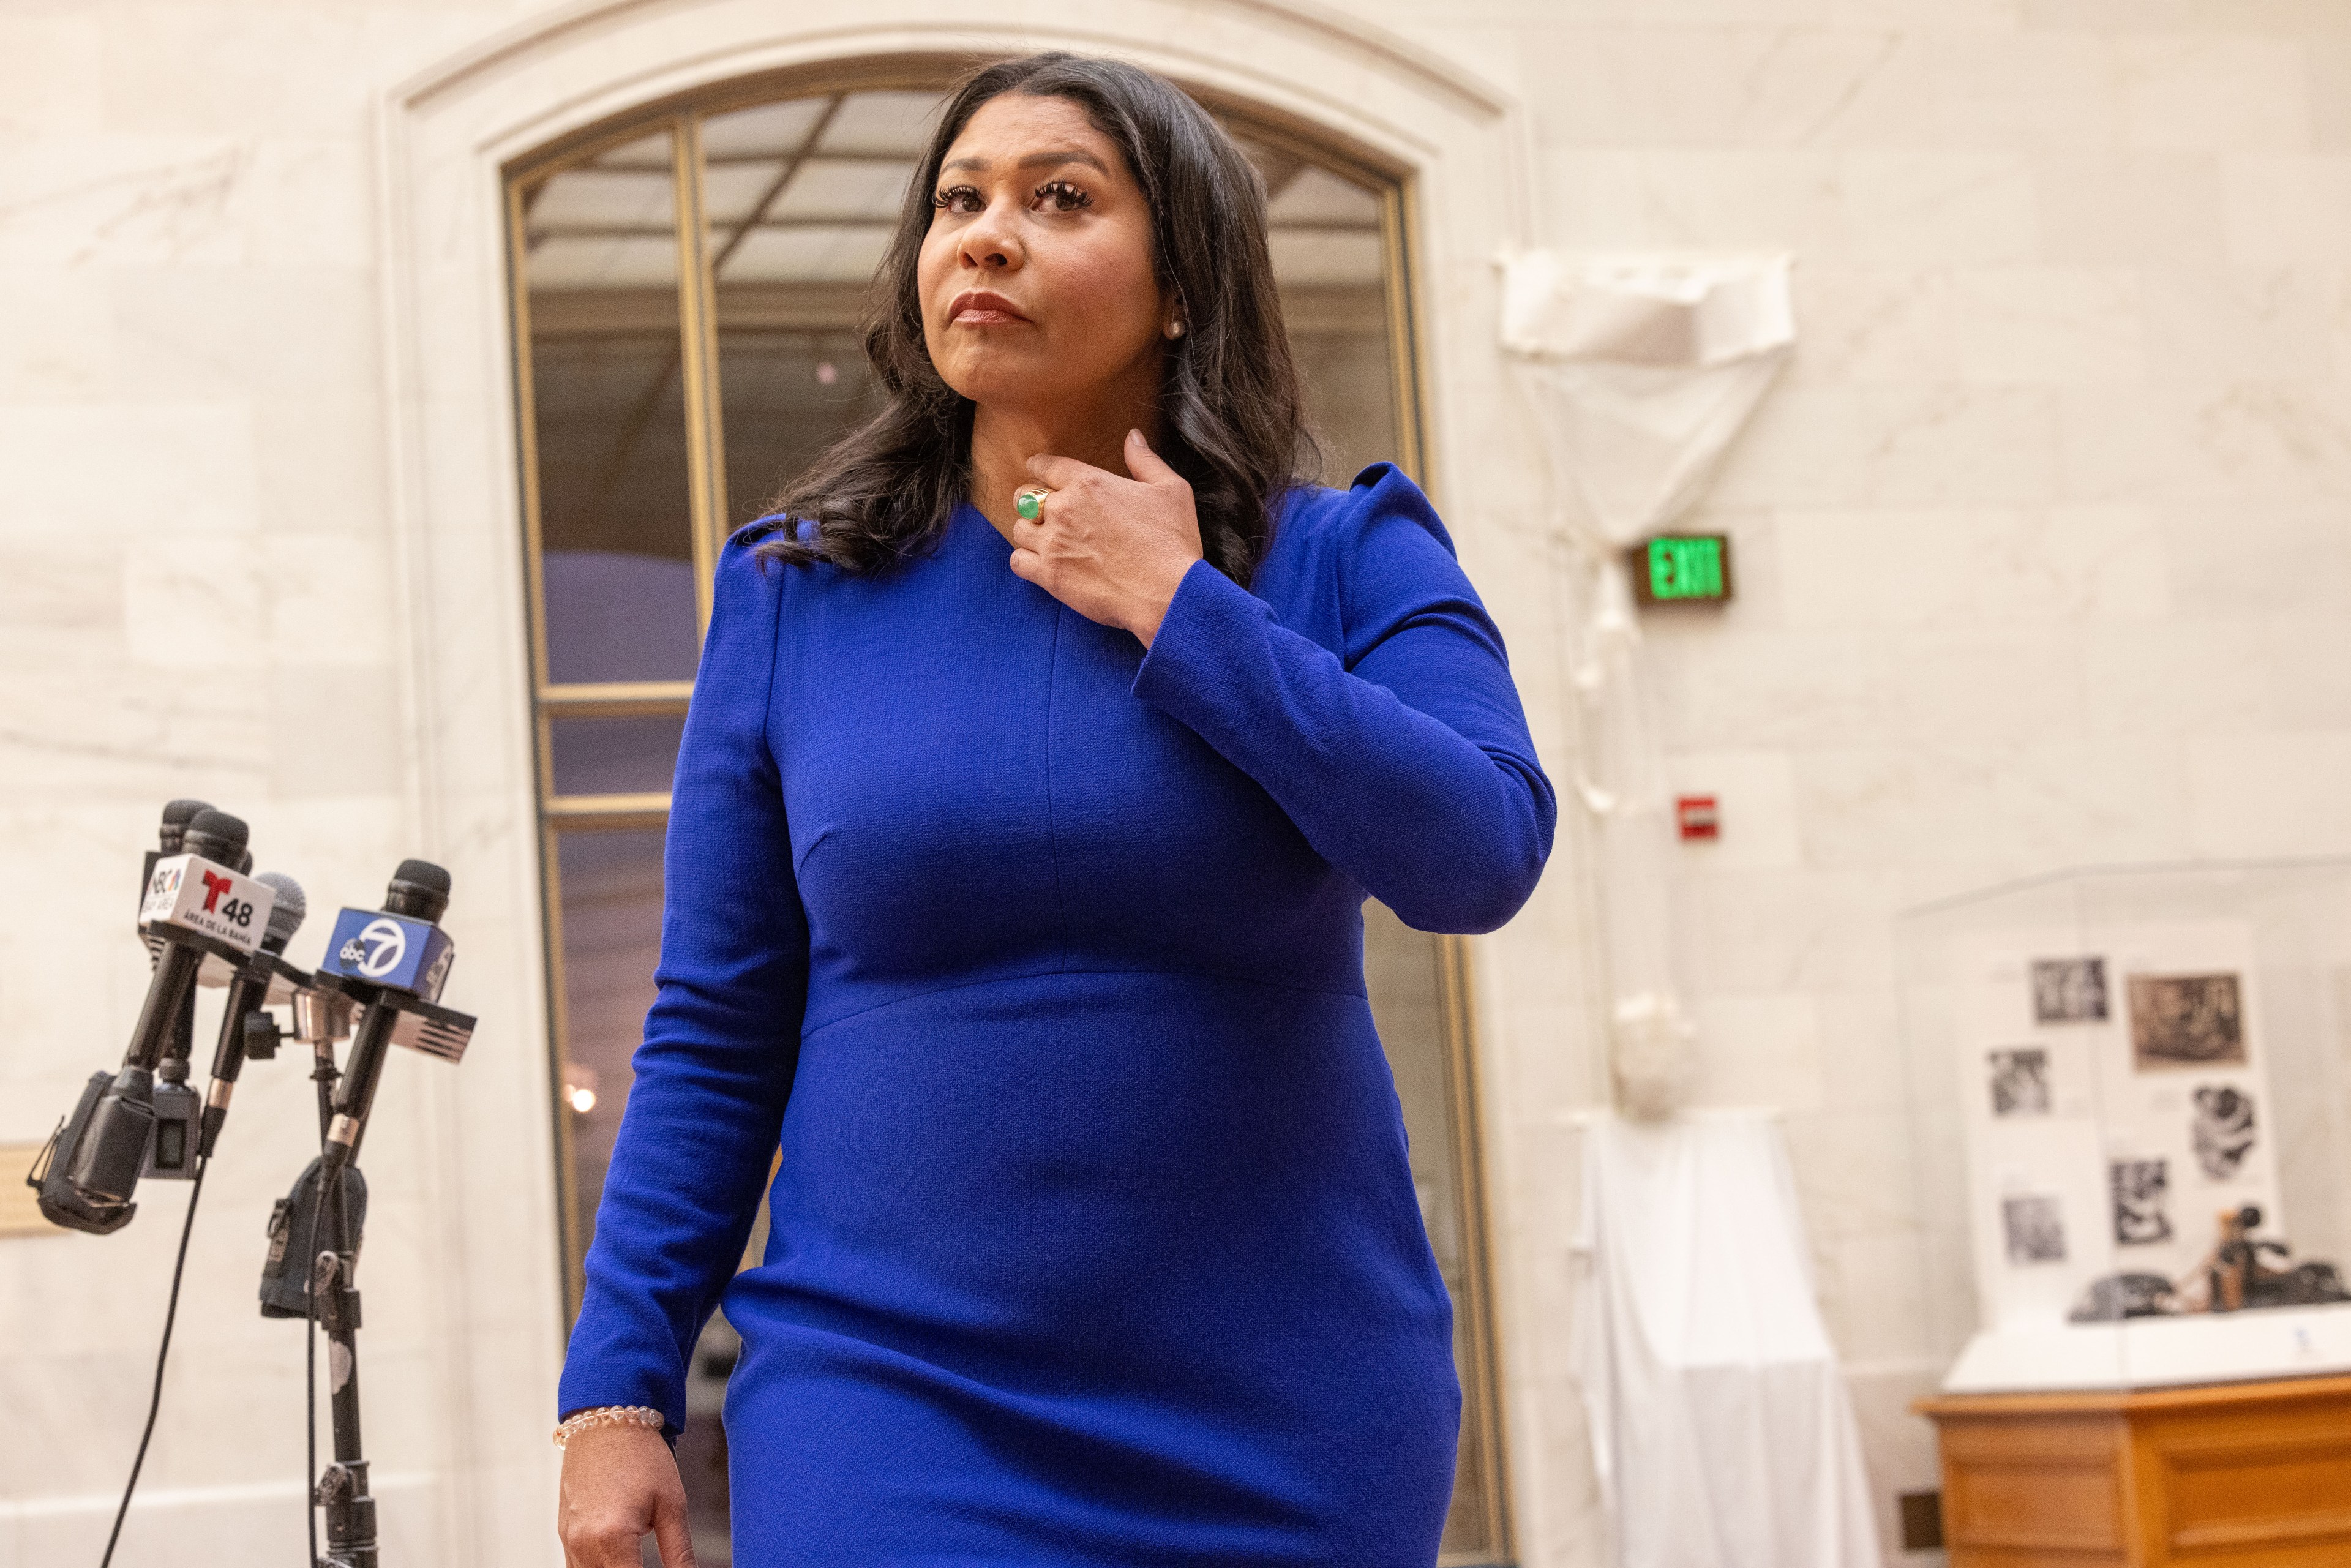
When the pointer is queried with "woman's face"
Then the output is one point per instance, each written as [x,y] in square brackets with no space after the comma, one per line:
[1036,282]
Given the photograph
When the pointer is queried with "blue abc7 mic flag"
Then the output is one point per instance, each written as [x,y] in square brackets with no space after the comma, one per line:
[412,957]
[391,951]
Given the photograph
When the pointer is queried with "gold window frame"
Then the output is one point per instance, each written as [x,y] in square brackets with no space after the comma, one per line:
[682,117]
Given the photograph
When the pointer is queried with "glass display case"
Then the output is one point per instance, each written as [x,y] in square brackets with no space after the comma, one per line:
[2129,1097]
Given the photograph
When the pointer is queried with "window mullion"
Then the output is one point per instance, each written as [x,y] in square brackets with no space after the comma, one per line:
[616,699]
[1403,362]
[698,347]
[573,1240]
[527,430]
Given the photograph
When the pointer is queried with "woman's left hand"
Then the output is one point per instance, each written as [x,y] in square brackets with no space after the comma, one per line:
[1110,549]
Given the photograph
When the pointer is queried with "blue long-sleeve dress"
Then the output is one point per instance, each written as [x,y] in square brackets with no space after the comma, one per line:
[1040,958]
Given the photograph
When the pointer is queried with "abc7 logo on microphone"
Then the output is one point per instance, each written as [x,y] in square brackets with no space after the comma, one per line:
[377,950]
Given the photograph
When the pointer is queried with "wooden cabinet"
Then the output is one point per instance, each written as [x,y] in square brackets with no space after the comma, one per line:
[2243,1474]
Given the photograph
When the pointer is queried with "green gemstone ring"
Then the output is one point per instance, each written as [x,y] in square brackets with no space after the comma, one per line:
[1029,502]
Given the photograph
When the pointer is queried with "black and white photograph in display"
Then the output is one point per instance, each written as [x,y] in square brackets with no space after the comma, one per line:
[2222,1129]
[2142,1199]
[2034,1226]
[2020,1080]
[2186,1020]
[2069,990]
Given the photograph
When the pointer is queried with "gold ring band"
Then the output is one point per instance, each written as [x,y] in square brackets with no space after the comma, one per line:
[1029,501]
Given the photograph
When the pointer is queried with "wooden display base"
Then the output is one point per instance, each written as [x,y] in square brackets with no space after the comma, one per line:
[2240,1475]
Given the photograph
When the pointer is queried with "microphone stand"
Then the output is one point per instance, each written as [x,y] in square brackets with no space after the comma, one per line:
[342,1489]
[322,1017]
[389,965]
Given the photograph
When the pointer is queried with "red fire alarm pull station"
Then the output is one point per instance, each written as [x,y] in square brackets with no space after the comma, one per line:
[1697,817]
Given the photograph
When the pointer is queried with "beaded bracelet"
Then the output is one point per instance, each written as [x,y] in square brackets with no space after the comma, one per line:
[609,1416]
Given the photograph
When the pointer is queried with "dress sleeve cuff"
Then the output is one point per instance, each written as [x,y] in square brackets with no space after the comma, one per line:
[1210,620]
[587,1383]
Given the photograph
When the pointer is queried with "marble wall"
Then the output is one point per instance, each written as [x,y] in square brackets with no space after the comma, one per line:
[2045,536]
[199,596]
[2042,544]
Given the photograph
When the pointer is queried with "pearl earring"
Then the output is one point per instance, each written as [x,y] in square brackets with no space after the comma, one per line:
[1175,329]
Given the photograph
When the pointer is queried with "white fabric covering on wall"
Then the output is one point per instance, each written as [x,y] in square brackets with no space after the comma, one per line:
[1647,367]
[1643,369]
[1722,1432]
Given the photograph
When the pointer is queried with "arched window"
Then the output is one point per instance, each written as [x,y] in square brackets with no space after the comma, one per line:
[685,288]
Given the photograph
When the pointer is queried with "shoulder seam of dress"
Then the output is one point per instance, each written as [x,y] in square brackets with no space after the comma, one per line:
[768,695]
[1340,556]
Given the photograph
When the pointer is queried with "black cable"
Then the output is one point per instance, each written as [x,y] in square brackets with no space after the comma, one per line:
[310,1375]
[323,1074]
[155,1401]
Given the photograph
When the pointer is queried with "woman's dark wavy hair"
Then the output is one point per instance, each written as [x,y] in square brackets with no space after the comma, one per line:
[1233,421]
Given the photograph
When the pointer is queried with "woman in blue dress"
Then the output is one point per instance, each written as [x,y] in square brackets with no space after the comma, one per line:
[1045,745]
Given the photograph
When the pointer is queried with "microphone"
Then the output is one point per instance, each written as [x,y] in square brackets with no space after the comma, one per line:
[246,1029]
[285,914]
[393,963]
[177,815]
[198,904]
[388,966]
[172,839]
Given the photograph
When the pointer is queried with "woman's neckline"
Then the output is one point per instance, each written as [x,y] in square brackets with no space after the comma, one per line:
[958,518]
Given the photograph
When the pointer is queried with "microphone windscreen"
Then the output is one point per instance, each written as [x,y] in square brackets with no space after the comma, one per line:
[285,914]
[424,874]
[177,815]
[419,890]
[220,825]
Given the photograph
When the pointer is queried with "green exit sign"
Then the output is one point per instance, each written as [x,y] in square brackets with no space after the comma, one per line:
[1683,569]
